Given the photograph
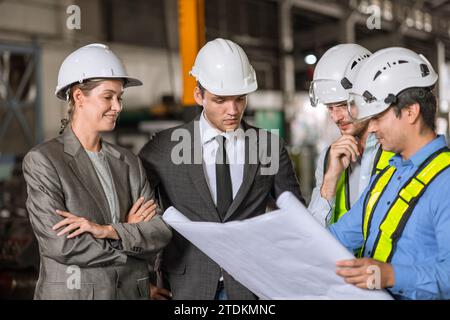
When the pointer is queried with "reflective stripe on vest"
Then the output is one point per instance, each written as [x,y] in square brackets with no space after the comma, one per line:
[342,204]
[381,160]
[395,220]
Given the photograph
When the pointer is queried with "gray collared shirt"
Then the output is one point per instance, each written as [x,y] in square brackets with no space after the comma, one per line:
[100,162]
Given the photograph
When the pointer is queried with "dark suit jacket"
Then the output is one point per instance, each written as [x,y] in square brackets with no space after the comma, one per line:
[190,273]
[60,175]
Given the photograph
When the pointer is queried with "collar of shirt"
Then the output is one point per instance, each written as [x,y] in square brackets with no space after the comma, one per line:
[420,156]
[371,141]
[208,132]
[100,155]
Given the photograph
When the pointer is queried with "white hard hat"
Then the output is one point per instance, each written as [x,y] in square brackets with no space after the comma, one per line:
[222,68]
[94,61]
[335,72]
[386,74]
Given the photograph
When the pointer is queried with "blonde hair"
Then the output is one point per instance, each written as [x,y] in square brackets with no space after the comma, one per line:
[86,88]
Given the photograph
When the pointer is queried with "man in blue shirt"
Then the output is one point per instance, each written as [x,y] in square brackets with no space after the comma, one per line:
[402,220]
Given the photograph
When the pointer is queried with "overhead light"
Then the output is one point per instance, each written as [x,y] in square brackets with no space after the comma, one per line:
[310,59]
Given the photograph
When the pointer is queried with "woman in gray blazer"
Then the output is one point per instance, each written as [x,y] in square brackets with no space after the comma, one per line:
[89,201]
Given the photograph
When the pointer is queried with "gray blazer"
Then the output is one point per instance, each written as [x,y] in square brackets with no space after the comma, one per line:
[187,271]
[60,175]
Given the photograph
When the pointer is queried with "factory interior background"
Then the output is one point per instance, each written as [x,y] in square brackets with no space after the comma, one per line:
[156,38]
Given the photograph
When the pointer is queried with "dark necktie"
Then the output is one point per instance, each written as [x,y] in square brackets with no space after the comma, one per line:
[224,189]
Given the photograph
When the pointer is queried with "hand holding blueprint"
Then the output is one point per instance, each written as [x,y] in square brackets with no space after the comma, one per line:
[284,254]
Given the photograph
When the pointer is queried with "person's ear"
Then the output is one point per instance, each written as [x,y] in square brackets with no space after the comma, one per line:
[413,113]
[78,97]
[198,97]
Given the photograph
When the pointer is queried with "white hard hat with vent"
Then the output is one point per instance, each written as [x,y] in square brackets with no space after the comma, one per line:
[222,68]
[94,61]
[386,74]
[335,72]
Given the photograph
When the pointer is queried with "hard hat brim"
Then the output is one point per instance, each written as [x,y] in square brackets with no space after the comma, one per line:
[128,82]
[232,92]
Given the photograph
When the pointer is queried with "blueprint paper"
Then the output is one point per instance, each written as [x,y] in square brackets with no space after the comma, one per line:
[283,254]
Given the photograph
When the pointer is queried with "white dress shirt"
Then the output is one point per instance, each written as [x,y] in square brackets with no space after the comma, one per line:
[235,147]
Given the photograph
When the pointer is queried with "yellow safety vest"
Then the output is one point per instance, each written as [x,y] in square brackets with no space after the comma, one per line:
[402,207]
[342,204]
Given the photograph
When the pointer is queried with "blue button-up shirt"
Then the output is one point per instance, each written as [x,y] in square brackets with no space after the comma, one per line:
[421,260]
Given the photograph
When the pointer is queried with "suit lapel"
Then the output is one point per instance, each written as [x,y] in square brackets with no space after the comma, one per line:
[250,170]
[84,170]
[198,178]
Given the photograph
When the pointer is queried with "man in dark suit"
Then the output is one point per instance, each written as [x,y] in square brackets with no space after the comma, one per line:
[215,168]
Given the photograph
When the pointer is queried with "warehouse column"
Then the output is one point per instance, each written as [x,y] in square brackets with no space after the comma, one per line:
[192,38]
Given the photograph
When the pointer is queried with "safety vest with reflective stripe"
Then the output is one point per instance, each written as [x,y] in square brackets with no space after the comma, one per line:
[395,220]
[343,204]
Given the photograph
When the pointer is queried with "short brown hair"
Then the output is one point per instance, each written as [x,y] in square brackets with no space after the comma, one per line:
[202,89]
[425,98]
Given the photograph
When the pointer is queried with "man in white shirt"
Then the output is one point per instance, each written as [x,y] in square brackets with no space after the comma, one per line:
[345,167]
[222,170]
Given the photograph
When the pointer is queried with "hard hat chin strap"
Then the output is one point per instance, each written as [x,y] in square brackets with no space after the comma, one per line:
[68,94]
